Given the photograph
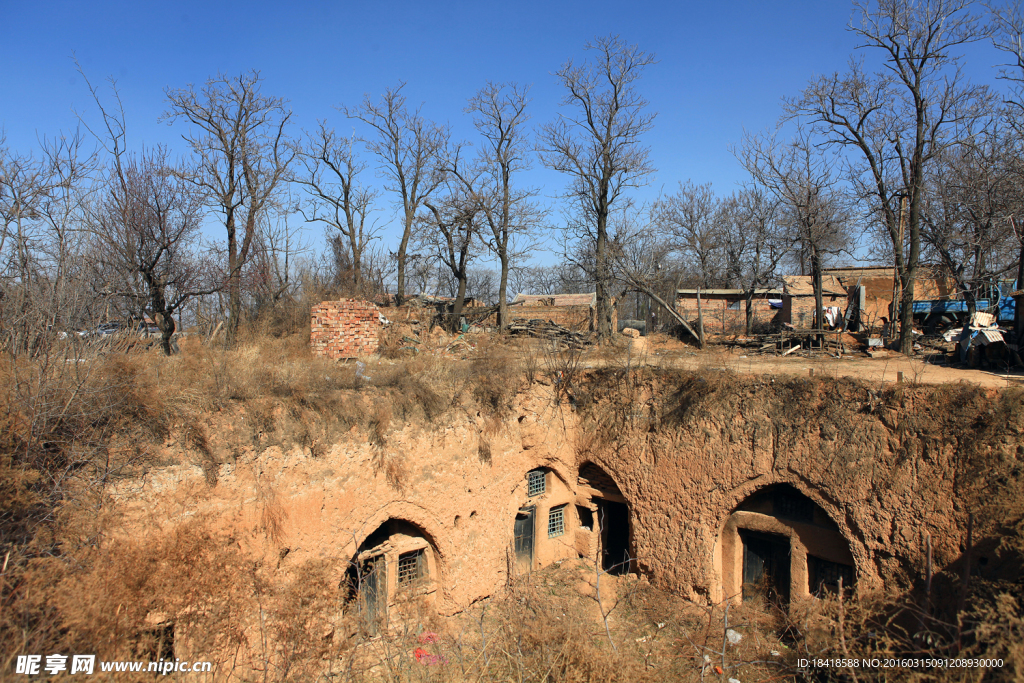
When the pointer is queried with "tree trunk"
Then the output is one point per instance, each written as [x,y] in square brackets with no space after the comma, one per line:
[819,306]
[604,307]
[700,321]
[460,301]
[914,223]
[1018,307]
[167,328]
[750,313]
[234,284]
[906,312]
[503,321]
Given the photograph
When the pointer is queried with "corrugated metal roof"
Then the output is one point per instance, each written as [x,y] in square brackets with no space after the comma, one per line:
[803,285]
[729,292]
[557,299]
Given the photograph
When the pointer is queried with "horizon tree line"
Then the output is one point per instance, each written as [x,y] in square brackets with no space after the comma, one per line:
[900,156]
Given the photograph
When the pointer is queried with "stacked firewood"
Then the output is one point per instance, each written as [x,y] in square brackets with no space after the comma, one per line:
[546,329]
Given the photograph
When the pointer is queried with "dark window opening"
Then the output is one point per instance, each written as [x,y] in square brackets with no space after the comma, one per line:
[766,560]
[586,516]
[157,643]
[794,506]
[535,483]
[412,566]
[824,576]
[614,519]
[556,521]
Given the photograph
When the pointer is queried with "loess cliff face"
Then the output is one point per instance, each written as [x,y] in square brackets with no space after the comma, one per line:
[449,501]
[888,467]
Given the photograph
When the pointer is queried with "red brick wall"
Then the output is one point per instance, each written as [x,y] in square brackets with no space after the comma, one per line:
[344,329]
[720,319]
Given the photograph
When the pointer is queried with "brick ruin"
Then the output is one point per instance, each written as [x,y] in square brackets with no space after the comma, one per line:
[725,310]
[577,312]
[347,328]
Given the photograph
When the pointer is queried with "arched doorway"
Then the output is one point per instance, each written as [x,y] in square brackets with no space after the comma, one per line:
[397,562]
[603,511]
[781,545]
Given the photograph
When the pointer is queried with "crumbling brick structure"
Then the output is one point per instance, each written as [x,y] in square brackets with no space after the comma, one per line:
[577,312]
[798,301]
[725,310]
[345,329]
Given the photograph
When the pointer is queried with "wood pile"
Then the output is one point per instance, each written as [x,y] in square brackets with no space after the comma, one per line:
[789,341]
[547,329]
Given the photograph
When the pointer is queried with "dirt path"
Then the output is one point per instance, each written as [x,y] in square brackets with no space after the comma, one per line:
[856,365]
[869,369]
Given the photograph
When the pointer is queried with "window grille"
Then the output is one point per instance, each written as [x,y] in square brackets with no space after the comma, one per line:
[795,507]
[556,521]
[411,567]
[825,575]
[535,483]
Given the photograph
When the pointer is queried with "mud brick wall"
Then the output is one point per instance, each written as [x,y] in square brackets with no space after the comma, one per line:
[344,329]
[720,319]
[576,318]
[799,310]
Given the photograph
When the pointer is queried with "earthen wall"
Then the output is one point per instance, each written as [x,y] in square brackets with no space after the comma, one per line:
[799,311]
[719,318]
[682,455]
[577,318]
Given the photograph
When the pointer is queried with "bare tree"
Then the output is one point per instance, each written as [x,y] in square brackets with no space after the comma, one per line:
[691,221]
[812,204]
[898,119]
[510,214]
[598,146]
[146,225]
[639,255]
[1008,36]
[407,146]
[482,286]
[270,275]
[335,195]
[242,153]
[452,229]
[965,221]
[41,287]
[756,241]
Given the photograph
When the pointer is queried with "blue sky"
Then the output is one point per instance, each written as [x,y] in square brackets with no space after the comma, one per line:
[723,66]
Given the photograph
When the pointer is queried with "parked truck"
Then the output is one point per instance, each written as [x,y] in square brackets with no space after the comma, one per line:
[938,314]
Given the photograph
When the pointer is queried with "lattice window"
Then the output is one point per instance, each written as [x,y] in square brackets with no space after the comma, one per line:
[825,575]
[411,567]
[536,481]
[794,506]
[556,521]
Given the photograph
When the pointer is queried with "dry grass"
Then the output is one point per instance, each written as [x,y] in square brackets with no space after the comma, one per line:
[71,582]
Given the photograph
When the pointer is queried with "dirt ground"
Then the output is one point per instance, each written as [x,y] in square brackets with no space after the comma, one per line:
[859,366]
[666,352]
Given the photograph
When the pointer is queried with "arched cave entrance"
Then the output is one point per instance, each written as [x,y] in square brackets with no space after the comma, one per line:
[397,562]
[781,545]
[603,511]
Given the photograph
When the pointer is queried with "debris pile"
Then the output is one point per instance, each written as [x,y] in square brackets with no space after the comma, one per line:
[547,329]
[982,331]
